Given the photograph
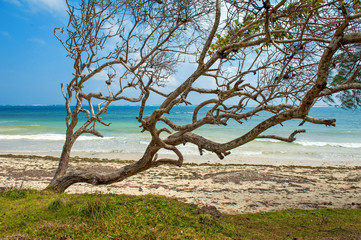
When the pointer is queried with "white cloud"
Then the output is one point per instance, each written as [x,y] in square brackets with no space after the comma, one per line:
[37,40]
[15,2]
[56,7]
[172,82]
[53,6]
[102,76]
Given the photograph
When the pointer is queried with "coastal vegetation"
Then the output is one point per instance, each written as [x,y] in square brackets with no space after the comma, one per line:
[30,214]
[281,57]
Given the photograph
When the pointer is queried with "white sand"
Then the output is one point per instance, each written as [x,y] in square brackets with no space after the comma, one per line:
[230,188]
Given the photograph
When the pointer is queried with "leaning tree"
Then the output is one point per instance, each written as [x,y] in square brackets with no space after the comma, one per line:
[280,56]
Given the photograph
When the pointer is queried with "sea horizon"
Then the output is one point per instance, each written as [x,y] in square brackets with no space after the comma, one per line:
[151,105]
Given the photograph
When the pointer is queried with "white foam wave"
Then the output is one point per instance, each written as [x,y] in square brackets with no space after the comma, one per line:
[2,122]
[49,137]
[183,112]
[53,137]
[267,140]
[316,144]
[332,144]
[249,153]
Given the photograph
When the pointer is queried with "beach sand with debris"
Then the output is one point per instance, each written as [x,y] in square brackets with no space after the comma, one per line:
[232,189]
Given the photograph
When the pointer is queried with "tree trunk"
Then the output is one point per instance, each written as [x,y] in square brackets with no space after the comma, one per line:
[64,180]
[63,162]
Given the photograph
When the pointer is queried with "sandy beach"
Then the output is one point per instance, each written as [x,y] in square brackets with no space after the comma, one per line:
[231,189]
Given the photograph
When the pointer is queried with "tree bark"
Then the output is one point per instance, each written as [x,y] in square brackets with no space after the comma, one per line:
[63,161]
[62,182]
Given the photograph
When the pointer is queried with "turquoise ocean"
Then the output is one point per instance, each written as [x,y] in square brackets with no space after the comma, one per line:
[41,130]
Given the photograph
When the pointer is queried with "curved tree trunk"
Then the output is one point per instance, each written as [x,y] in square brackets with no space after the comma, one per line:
[63,181]
[63,161]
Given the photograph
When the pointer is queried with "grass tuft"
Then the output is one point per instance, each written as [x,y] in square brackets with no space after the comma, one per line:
[14,193]
[55,205]
[95,208]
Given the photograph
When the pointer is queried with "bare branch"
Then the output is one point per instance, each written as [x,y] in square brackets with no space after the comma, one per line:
[327,122]
[208,43]
[291,138]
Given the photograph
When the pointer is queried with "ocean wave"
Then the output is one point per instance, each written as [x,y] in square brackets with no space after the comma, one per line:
[332,144]
[267,140]
[9,129]
[183,112]
[2,122]
[145,141]
[249,153]
[49,137]
[316,144]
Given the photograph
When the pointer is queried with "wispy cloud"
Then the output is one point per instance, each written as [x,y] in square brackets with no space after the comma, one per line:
[56,7]
[5,34]
[15,2]
[37,40]
[53,6]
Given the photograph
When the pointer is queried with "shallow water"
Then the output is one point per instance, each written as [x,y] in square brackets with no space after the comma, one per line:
[40,130]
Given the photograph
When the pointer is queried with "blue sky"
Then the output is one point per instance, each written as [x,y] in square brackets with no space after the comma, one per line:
[32,62]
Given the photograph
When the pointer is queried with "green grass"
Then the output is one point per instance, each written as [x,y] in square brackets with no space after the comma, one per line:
[30,214]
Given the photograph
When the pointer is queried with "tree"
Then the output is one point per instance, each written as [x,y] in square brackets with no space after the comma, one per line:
[281,56]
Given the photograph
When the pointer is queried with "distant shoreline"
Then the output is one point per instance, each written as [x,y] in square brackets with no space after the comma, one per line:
[155,106]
